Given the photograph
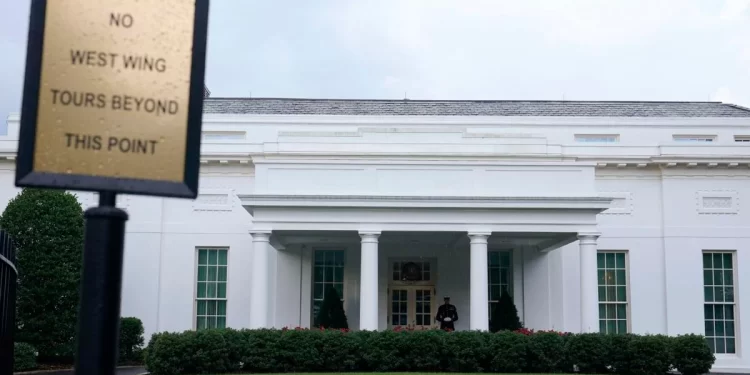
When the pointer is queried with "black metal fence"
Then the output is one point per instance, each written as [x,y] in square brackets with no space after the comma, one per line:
[8,277]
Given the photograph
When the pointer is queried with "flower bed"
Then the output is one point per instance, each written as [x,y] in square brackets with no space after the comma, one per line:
[301,350]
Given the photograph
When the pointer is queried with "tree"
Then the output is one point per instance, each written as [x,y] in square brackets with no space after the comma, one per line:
[505,315]
[331,314]
[47,229]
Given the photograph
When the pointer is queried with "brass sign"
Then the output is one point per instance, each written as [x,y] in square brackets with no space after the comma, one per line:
[114,92]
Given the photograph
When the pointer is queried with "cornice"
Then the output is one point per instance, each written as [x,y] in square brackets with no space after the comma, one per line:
[596,203]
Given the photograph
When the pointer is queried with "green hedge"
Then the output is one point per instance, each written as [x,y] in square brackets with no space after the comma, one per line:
[263,351]
[24,357]
[131,341]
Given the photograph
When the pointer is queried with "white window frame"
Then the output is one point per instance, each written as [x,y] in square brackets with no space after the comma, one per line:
[742,139]
[489,278]
[195,285]
[312,279]
[597,138]
[628,319]
[736,303]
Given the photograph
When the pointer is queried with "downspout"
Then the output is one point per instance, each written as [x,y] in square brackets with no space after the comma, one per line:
[663,253]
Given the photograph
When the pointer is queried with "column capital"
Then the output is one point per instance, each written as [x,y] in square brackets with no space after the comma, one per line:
[260,235]
[369,235]
[588,238]
[479,236]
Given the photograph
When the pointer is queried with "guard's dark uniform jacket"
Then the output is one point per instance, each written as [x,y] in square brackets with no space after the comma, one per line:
[447,311]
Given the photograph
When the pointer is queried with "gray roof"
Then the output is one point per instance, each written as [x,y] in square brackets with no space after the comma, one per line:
[288,106]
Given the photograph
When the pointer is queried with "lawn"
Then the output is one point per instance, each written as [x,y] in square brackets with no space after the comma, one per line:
[390,373]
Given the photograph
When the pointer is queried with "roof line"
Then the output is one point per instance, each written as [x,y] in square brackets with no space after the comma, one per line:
[470,100]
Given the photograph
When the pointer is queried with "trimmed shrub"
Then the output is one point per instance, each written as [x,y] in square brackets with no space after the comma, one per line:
[589,352]
[505,315]
[24,357]
[319,350]
[331,314]
[691,355]
[131,340]
[47,228]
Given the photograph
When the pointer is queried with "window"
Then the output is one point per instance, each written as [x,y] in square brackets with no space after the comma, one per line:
[499,276]
[328,272]
[694,138]
[211,300]
[720,306]
[742,138]
[400,273]
[606,138]
[613,292]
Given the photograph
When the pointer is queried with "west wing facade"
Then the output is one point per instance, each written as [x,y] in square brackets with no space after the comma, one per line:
[593,216]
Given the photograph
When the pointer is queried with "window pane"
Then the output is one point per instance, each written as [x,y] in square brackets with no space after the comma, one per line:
[611,294]
[729,294]
[708,294]
[201,273]
[728,278]
[222,257]
[201,310]
[602,311]
[727,263]
[600,274]
[339,289]
[707,263]
[707,279]
[709,328]
[221,322]
[720,347]
[201,290]
[211,290]
[729,328]
[719,328]
[718,278]
[211,273]
[611,312]
[200,323]
[338,274]
[621,311]
[503,276]
[611,326]
[222,274]
[221,307]
[718,294]
[329,275]
[600,260]
[718,311]
[717,261]
[320,257]
[729,312]
[210,307]
[505,259]
[708,312]
[603,326]
[493,258]
[730,346]
[711,344]
[610,260]
[221,291]
[202,256]
[620,260]
[622,326]
[621,297]
[319,275]
[620,277]
[211,322]
[212,257]
[494,276]
[318,291]
[602,293]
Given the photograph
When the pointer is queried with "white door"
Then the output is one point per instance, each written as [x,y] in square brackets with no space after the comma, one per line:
[412,307]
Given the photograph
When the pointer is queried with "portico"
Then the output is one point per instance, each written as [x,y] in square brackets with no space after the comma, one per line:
[452,240]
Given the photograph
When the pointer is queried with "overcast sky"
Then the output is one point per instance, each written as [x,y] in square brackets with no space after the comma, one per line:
[693,50]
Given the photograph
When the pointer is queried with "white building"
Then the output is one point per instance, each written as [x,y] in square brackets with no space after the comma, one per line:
[615,216]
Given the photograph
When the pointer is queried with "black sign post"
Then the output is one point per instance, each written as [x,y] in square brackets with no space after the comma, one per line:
[112,107]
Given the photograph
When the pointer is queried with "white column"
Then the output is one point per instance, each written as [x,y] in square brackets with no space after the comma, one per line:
[368,287]
[589,291]
[260,283]
[479,315]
